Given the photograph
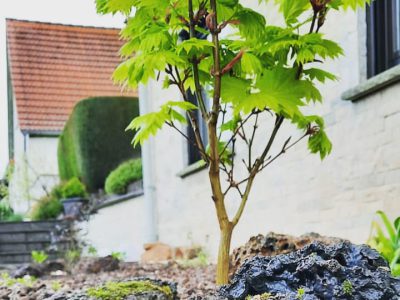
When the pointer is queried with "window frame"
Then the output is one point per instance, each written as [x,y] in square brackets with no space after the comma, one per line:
[193,152]
[381,30]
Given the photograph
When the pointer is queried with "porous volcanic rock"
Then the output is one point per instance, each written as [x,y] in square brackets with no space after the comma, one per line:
[340,271]
[274,244]
[103,264]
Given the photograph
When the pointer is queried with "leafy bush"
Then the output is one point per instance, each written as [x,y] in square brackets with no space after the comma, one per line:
[3,191]
[15,218]
[388,245]
[48,207]
[119,179]
[73,188]
[5,212]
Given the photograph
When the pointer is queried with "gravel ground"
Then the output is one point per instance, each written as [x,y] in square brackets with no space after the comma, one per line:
[192,282]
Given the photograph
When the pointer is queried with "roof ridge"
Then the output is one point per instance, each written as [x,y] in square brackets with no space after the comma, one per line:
[71,26]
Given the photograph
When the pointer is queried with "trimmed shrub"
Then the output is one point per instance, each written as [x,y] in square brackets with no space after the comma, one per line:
[94,141]
[119,179]
[73,188]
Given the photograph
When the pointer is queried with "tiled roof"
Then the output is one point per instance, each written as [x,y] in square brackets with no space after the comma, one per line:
[54,66]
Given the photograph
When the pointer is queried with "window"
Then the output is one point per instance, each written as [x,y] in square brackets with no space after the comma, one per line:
[383,21]
[193,152]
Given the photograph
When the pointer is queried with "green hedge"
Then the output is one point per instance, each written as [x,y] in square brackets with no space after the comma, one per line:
[126,173]
[94,141]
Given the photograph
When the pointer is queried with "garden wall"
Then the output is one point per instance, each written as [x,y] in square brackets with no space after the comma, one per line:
[298,193]
[19,239]
[118,226]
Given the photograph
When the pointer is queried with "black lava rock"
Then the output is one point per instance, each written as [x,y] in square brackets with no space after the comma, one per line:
[317,271]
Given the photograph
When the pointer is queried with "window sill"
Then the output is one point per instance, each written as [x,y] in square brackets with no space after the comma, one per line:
[193,168]
[373,84]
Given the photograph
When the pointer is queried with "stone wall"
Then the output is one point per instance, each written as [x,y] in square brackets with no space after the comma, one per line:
[298,193]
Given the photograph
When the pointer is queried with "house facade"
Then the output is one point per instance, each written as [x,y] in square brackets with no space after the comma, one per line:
[299,193]
[50,68]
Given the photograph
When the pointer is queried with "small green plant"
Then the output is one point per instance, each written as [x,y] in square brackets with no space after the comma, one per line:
[388,245]
[73,188]
[201,260]
[347,287]
[92,251]
[265,296]
[3,191]
[47,208]
[56,286]
[7,280]
[120,290]
[126,173]
[5,211]
[118,256]
[72,256]
[300,293]
[39,257]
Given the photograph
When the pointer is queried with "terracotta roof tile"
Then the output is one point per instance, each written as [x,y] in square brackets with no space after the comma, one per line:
[54,66]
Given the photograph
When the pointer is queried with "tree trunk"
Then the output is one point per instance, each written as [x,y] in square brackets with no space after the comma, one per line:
[223,254]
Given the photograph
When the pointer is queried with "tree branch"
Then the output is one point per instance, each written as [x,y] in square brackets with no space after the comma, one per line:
[195,64]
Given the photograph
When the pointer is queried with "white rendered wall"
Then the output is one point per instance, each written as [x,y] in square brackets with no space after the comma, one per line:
[118,228]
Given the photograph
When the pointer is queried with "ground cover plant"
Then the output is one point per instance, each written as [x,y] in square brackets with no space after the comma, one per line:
[261,73]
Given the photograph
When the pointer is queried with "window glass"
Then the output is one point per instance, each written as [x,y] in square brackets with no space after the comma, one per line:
[396,23]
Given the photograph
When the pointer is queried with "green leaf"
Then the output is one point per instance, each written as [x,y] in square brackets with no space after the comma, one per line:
[113,6]
[320,143]
[320,75]
[251,23]
[251,64]
[149,124]
[224,152]
[292,9]
[388,225]
[194,46]
[231,125]
[142,67]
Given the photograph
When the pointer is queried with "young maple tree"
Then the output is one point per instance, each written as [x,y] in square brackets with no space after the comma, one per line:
[249,69]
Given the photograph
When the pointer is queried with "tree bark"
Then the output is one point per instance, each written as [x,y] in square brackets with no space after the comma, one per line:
[223,254]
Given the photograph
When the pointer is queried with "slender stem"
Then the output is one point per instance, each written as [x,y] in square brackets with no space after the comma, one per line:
[250,145]
[284,149]
[314,19]
[235,133]
[217,63]
[258,163]
[172,125]
[195,64]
